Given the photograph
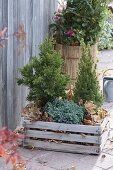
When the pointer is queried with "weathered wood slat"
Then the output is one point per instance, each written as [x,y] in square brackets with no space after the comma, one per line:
[62,127]
[1,65]
[62,147]
[104,136]
[10,76]
[104,139]
[104,123]
[63,136]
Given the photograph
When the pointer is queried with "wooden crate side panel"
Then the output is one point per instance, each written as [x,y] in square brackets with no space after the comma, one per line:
[62,127]
[103,124]
[105,136]
[104,139]
[62,147]
[63,136]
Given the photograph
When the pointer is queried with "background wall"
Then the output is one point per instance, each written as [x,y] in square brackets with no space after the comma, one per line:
[27,24]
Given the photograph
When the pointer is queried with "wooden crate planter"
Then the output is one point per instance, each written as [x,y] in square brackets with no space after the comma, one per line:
[66,137]
[71,56]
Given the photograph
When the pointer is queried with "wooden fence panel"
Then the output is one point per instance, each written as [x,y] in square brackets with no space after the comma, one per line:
[31,18]
[1,54]
[3,21]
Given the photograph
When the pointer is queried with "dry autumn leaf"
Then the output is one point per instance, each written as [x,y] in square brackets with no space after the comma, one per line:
[83,135]
[90,107]
[102,113]
[34,113]
[103,156]
[70,93]
[88,122]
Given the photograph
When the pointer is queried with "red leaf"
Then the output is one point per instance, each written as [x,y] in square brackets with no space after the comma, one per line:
[13,160]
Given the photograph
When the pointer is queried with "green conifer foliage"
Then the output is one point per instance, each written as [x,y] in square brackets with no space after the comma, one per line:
[43,75]
[87,85]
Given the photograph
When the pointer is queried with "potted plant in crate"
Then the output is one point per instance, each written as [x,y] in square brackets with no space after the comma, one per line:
[51,121]
[79,19]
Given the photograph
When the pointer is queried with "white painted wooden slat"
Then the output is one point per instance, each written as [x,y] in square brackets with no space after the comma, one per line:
[63,137]
[104,136]
[62,127]
[62,147]
[104,123]
[104,139]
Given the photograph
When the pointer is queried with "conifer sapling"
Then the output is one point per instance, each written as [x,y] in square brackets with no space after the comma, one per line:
[44,76]
[87,85]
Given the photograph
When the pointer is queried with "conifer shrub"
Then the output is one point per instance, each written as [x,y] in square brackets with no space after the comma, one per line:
[106,37]
[43,75]
[87,85]
[64,111]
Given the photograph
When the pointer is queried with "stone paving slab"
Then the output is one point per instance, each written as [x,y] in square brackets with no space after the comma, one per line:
[61,161]
[105,161]
[64,161]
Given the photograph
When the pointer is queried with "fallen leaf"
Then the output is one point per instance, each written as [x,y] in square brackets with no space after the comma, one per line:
[70,93]
[90,107]
[103,156]
[83,135]
[88,122]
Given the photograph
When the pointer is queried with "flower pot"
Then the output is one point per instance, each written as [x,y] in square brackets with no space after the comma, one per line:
[71,56]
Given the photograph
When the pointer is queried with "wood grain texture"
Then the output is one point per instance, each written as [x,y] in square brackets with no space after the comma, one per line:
[104,123]
[62,147]
[1,78]
[63,136]
[62,127]
[34,16]
[66,137]
[105,135]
